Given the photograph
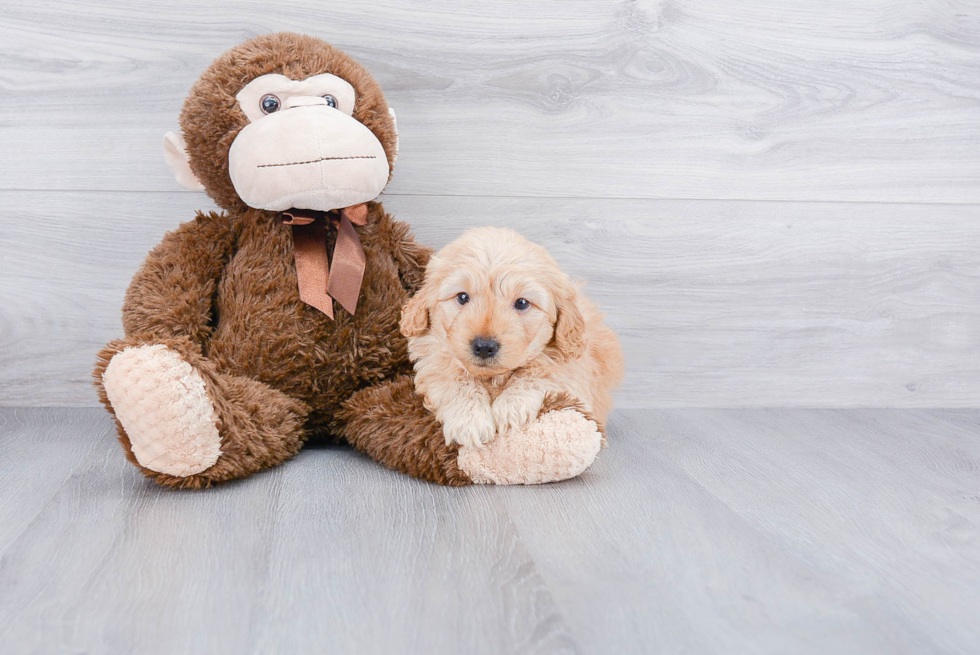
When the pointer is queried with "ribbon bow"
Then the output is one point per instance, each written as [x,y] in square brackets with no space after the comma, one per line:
[321,279]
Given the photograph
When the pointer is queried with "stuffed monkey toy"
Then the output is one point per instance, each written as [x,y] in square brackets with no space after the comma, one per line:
[251,330]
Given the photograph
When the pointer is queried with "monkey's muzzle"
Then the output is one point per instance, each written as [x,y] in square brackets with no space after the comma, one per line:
[307,157]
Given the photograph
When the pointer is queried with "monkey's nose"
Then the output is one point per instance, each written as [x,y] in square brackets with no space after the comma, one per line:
[485,348]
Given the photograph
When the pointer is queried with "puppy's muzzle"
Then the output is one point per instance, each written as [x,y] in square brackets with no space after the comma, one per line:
[484,348]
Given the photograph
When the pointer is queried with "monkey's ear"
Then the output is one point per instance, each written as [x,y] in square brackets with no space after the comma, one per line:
[175,154]
[394,122]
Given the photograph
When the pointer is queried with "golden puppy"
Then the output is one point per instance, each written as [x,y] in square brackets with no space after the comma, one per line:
[496,326]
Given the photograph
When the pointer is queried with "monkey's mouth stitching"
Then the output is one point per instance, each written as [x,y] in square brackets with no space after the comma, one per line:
[314,161]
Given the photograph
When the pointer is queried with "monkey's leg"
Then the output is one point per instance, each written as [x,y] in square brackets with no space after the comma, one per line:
[186,425]
[389,423]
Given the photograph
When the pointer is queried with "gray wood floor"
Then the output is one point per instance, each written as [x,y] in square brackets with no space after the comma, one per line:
[697,531]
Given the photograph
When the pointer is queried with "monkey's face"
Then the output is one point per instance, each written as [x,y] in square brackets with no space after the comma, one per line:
[285,121]
[302,147]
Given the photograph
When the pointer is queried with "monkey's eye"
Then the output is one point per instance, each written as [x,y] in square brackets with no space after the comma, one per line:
[521,304]
[331,101]
[269,103]
[462,297]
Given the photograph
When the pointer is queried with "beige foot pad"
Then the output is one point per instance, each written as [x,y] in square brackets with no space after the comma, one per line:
[162,404]
[559,445]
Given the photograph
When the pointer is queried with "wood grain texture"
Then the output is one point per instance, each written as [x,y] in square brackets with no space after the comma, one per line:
[333,554]
[573,122]
[717,303]
[872,101]
[803,531]
[913,476]
[696,531]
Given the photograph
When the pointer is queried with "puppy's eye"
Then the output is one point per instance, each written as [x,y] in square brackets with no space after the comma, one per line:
[462,297]
[331,101]
[269,103]
[521,304]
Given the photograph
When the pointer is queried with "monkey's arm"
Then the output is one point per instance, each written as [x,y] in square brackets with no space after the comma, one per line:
[173,292]
[412,259]
[410,256]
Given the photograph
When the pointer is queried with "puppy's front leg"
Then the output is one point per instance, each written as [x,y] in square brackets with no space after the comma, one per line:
[518,404]
[461,406]
[470,424]
[466,417]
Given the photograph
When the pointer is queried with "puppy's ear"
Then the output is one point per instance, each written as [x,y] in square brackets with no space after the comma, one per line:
[570,328]
[415,316]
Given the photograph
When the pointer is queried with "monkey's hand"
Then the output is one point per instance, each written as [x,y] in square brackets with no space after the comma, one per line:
[515,407]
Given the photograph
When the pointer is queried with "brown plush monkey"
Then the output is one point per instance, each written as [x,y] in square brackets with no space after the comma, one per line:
[236,351]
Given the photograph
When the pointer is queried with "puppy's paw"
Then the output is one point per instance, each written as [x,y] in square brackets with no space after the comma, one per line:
[515,409]
[470,427]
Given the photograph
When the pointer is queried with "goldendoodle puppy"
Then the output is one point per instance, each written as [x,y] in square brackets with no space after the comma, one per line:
[497,326]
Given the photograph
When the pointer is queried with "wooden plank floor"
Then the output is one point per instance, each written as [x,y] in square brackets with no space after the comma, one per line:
[697,531]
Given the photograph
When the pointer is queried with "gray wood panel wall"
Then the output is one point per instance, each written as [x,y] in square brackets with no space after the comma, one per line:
[776,203]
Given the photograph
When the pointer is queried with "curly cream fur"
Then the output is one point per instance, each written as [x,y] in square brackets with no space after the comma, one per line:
[558,344]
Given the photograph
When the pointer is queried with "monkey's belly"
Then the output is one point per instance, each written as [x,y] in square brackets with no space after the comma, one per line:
[265,332]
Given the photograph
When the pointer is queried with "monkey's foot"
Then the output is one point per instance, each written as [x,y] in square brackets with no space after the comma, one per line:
[163,405]
[559,444]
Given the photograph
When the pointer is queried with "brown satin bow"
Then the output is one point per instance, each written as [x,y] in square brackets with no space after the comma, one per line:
[321,279]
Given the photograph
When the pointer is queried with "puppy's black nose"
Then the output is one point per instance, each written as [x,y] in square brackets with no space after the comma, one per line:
[485,348]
